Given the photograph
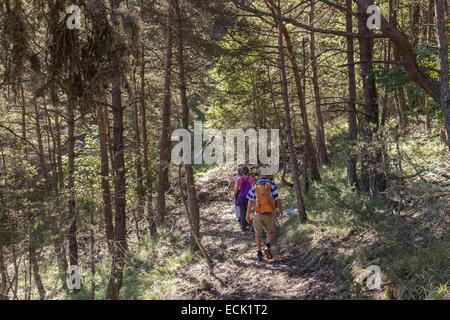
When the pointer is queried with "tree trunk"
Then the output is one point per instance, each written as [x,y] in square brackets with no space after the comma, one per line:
[35,267]
[400,99]
[288,127]
[62,254]
[33,263]
[430,22]
[138,171]
[72,210]
[352,176]
[120,243]
[148,185]
[92,254]
[430,39]
[3,231]
[407,53]
[320,130]
[164,142]
[102,122]
[441,28]
[3,280]
[53,221]
[194,210]
[371,180]
[310,149]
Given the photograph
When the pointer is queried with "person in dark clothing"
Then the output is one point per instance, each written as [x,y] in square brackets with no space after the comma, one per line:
[237,209]
[241,189]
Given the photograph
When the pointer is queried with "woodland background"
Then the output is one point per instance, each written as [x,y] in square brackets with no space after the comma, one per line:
[85,124]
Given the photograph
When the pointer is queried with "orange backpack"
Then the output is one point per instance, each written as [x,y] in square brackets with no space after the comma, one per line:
[264,199]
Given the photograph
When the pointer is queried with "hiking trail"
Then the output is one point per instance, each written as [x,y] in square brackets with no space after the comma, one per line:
[237,274]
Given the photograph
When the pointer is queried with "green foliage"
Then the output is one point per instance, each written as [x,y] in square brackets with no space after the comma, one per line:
[392,78]
[410,247]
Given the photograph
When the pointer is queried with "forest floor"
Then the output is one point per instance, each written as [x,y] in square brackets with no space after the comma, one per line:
[405,232]
[236,273]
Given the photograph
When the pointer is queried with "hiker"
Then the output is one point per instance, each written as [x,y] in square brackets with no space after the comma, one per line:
[241,189]
[263,197]
[237,210]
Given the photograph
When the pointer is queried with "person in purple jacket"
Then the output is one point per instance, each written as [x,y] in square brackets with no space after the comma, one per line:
[241,188]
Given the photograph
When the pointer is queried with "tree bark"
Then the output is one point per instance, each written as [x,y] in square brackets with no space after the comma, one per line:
[194,210]
[320,129]
[35,267]
[62,253]
[408,56]
[430,36]
[399,91]
[140,192]
[3,280]
[441,28]
[371,180]
[72,210]
[310,149]
[33,263]
[352,176]
[104,174]
[164,142]
[148,185]
[120,243]
[295,172]
[138,211]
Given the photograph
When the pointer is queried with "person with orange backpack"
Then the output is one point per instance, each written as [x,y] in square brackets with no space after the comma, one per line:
[263,198]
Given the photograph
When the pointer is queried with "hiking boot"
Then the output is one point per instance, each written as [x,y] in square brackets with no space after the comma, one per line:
[267,252]
[259,256]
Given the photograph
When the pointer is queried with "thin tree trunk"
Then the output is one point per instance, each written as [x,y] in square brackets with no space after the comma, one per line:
[352,176]
[430,22]
[430,38]
[190,182]
[320,129]
[3,281]
[310,149]
[120,243]
[441,28]
[138,171]
[148,185]
[3,230]
[401,40]
[295,172]
[385,97]
[72,234]
[35,267]
[164,142]
[399,91]
[62,254]
[104,173]
[371,180]
[92,255]
[15,281]
[33,263]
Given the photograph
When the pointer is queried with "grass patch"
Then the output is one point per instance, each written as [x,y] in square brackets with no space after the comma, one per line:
[411,245]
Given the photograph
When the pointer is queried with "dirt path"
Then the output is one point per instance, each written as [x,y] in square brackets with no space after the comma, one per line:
[238,275]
